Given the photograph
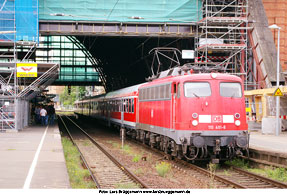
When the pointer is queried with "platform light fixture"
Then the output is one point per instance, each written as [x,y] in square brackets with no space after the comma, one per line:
[277,127]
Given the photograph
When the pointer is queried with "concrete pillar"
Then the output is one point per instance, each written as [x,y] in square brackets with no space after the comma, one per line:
[257,107]
[250,105]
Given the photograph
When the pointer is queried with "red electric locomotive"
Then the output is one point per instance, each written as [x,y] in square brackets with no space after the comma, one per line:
[191,116]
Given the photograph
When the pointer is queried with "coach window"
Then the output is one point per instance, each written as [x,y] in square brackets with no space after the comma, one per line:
[197,89]
[142,94]
[145,94]
[133,105]
[161,92]
[127,105]
[130,105]
[168,91]
[123,105]
[232,90]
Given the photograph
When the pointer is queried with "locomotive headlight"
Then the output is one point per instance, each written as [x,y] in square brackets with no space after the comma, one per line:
[237,123]
[237,115]
[194,123]
[194,115]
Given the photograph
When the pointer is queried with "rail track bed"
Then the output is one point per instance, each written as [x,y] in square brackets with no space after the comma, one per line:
[106,171]
[228,176]
[184,174]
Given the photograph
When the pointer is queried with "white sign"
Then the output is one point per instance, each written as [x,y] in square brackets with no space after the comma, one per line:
[210,41]
[187,54]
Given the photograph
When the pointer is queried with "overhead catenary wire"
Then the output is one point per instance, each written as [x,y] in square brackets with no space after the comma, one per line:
[112,10]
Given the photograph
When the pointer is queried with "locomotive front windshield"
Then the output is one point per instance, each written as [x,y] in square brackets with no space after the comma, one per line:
[232,90]
[197,89]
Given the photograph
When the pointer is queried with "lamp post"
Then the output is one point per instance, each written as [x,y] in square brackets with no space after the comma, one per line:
[274,26]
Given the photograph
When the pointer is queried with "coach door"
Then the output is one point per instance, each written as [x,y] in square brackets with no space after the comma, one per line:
[109,104]
[175,98]
[122,111]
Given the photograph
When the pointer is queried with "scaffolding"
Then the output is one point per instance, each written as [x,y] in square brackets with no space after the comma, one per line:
[18,42]
[221,36]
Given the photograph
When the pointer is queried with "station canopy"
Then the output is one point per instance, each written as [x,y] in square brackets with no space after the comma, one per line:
[146,11]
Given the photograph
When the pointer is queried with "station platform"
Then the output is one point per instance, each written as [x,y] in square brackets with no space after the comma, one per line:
[33,158]
[268,148]
[270,143]
[266,142]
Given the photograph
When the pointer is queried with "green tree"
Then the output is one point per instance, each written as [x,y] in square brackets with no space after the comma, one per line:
[67,99]
[82,91]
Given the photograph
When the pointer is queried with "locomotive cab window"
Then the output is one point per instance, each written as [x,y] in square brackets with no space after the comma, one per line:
[232,90]
[197,89]
[178,90]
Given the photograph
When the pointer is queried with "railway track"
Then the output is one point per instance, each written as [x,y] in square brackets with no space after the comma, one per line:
[231,178]
[250,180]
[224,178]
[105,170]
[215,181]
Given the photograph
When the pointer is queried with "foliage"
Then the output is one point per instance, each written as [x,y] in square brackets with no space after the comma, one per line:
[136,158]
[279,174]
[79,177]
[238,163]
[127,149]
[67,98]
[212,169]
[65,113]
[139,171]
[163,168]
[116,145]
[127,186]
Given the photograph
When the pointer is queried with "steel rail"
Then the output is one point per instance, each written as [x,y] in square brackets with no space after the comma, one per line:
[112,158]
[208,173]
[81,155]
[261,178]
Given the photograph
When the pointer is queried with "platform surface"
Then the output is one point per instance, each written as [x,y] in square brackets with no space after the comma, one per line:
[269,143]
[21,166]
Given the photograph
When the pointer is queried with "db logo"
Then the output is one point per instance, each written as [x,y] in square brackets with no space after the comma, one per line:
[216,118]
[26,69]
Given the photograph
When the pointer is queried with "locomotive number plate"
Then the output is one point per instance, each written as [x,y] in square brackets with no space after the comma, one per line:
[216,127]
